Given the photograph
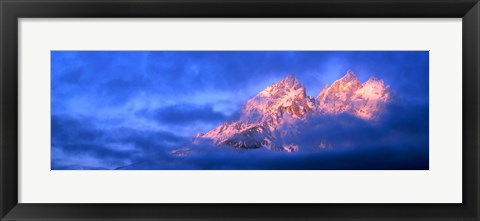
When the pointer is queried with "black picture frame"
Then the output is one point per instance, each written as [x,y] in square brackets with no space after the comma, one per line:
[12,10]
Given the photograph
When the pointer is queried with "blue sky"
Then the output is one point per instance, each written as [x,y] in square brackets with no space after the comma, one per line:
[111,108]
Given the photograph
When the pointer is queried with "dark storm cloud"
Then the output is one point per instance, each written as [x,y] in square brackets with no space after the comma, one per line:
[398,140]
[82,137]
[399,123]
[184,114]
[359,158]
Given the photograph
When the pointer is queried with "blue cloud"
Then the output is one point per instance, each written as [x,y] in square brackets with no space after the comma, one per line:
[184,114]
[87,140]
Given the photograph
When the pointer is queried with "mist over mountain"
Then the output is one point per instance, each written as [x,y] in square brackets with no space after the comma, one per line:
[277,117]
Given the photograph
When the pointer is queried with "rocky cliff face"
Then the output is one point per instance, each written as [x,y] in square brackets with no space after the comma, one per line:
[275,113]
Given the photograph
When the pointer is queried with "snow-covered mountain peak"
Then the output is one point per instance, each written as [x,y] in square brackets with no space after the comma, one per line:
[349,95]
[273,114]
[289,81]
[341,88]
[347,82]
[349,76]
[287,96]
[374,80]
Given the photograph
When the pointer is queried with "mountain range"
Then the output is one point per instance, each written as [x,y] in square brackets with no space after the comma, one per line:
[280,112]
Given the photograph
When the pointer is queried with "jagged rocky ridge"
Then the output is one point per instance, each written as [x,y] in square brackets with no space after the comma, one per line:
[274,114]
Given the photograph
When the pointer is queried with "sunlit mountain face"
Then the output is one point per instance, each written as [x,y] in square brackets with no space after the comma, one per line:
[283,111]
[240,110]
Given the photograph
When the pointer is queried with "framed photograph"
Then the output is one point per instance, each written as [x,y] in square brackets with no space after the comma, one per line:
[239,110]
